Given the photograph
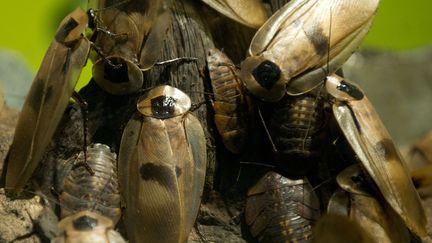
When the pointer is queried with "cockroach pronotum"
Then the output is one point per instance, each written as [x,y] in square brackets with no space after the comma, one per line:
[279,209]
[230,103]
[162,163]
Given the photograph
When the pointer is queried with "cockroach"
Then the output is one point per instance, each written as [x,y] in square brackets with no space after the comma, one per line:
[251,13]
[279,209]
[57,76]
[139,28]
[87,227]
[288,53]
[373,146]
[48,98]
[231,105]
[356,201]
[99,192]
[162,163]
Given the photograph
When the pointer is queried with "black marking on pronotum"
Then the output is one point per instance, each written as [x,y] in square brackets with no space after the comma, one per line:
[163,106]
[158,173]
[267,74]
[65,29]
[351,90]
[386,149]
[85,223]
[318,40]
[178,171]
[116,71]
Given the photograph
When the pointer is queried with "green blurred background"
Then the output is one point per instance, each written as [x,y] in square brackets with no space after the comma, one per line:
[27,28]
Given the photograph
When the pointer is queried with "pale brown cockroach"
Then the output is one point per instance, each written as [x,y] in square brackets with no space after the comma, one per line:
[138,29]
[162,163]
[279,209]
[87,227]
[288,53]
[57,76]
[375,150]
[90,204]
[251,12]
[230,103]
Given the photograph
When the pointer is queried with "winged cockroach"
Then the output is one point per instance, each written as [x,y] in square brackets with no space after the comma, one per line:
[356,200]
[162,162]
[288,53]
[251,12]
[279,209]
[47,99]
[139,28]
[230,104]
[376,151]
[87,227]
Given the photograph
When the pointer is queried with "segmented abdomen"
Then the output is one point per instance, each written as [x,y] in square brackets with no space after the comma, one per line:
[230,105]
[98,192]
[279,209]
[294,125]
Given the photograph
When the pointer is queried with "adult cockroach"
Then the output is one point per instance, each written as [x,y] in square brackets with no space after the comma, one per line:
[90,204]
[376,151]
[162,162]
[47,98]
[139,27]
[59,72]
[230,103]
[87,227]
[251,13]
[279,209]
[357,201]
[288,53]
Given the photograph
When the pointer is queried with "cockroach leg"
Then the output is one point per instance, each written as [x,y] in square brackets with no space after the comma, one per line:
[84,110]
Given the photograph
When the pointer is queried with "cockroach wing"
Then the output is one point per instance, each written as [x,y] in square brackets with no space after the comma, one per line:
[251,12]
[372,144]
[162,169]
[47,99]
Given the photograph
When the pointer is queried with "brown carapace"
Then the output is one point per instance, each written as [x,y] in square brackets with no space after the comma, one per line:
[231,104]
[279,209]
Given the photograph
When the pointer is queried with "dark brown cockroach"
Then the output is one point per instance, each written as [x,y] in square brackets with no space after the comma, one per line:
[251,13]
[295,127]
[98,192]
[279,209]
[230,104]
[87,227]
[162,163]
[137,30]
[356,200]
[288,53]
[374,148]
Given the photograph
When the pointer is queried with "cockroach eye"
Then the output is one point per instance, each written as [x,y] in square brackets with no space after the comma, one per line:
[163,107]
[351,90]
[267,74]
[85,223]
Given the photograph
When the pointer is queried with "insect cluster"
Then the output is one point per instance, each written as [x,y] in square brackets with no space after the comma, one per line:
[286,85]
